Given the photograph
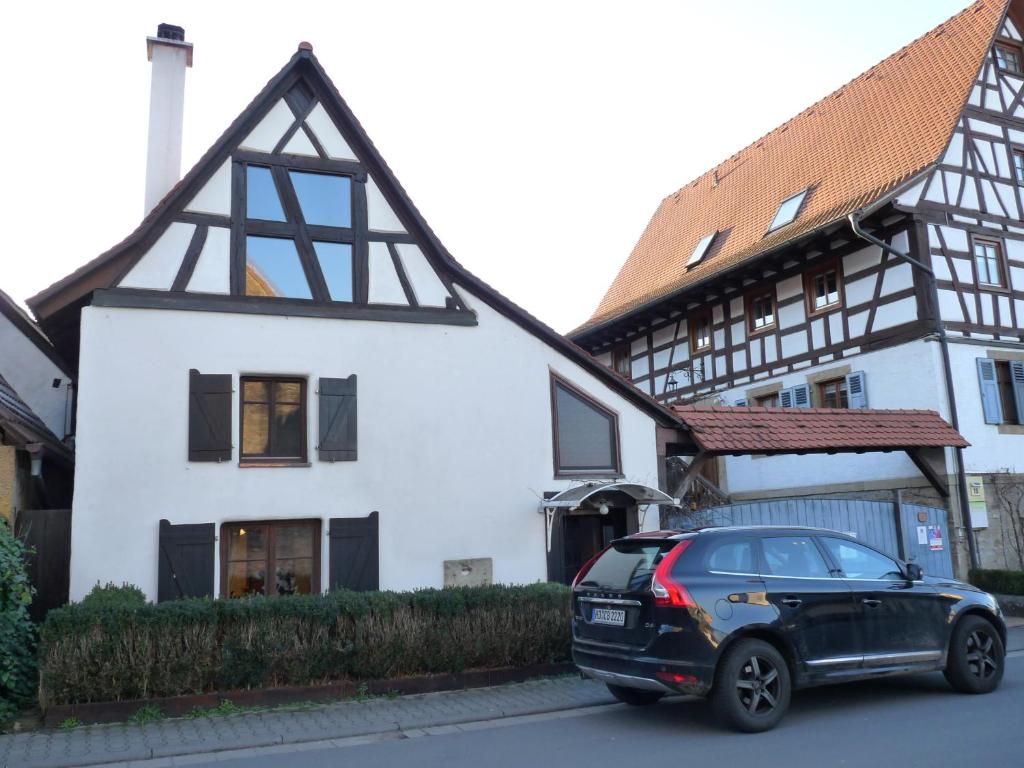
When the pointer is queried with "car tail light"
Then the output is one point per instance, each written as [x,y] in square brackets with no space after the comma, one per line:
[587,566]
[667,591]
[675,677]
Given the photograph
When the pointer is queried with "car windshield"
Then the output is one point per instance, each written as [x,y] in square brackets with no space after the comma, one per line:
[627,565]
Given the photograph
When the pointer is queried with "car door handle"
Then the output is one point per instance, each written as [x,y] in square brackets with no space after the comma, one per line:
[871,602]
[792,602]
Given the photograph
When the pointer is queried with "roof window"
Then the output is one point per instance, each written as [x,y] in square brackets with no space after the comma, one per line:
[788,210]
[702,248]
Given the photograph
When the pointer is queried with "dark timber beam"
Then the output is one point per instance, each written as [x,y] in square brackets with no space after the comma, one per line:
[928,471]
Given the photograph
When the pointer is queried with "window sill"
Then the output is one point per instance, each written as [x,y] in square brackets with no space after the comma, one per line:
[993,288]
[1011,429]
[824,310]
[762,330]
[273,464]
[597,474]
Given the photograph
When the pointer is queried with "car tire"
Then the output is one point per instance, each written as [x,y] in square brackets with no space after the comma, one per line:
[634,696]
[976,656]
[752,686]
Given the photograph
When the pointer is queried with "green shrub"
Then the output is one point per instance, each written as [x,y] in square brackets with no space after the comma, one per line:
[17,634]
[202,645]
[998,581]
[113,596]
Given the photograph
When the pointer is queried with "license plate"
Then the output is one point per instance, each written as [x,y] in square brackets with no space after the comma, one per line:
[611,616]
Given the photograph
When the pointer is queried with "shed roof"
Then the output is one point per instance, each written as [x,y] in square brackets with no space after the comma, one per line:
[850,149]
[748,430]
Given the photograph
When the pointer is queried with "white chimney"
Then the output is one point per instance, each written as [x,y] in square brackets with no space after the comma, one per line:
[170,55]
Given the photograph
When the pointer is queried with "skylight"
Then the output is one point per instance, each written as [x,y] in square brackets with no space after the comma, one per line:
[701,249]
[788,210]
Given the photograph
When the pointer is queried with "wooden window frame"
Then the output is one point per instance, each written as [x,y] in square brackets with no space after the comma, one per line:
[1017,151]
[249,460]
[750,298]
[811,275]
[621,353]
[614,471]
[225,540]
[819,391]
[694,349]
[1016,48]
[767,396]
[1004,267]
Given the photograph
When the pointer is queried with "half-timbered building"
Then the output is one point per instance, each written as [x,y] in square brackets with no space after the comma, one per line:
[287,384]
[867,253]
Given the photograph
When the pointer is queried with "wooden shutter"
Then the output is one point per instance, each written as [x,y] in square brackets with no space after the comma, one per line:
[337,440]
[741,403]
[857,389]
[186,561]
[786,398]
[209,416]
[354,553]
[989,391]
[802,396]
[1017,378]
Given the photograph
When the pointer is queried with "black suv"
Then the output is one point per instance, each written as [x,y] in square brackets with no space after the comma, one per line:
[745,614]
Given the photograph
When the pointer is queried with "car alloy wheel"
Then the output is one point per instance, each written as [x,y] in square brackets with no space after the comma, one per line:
[758,685]
[980,654]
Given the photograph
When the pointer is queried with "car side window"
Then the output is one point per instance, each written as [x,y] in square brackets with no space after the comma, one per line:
[793,556]
[732,557]
[860,562]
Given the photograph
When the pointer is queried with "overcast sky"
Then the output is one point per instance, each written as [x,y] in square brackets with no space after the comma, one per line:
[536,137]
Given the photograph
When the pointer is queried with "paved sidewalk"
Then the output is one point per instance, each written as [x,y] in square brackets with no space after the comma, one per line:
[97,744]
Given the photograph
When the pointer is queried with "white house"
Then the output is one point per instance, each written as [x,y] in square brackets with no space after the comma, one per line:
[868,252]
[287,384]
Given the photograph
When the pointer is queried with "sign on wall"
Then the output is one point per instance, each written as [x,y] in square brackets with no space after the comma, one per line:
[976,501]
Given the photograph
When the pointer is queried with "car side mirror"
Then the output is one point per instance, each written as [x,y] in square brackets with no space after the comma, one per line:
[915,572]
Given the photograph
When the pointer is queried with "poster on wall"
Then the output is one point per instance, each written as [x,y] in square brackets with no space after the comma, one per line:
[934,538]
[922,535]
[976,501]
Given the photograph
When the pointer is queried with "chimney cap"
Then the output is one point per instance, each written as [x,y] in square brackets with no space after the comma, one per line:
[304,46]
[170,32]
[172,36]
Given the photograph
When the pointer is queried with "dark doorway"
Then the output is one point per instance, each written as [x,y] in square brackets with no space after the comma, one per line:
[48,533]
[586,535]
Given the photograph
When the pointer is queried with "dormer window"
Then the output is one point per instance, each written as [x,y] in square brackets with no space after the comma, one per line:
[1008,57]
[299,235]
[702,248]
[788,210]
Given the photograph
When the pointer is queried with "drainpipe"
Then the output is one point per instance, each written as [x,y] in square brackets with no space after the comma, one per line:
[940,332]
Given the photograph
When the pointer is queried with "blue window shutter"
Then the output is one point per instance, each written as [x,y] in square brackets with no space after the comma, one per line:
[801,396]
[786,398]
[857,389]
[1017,377]
[989,391]
[741,403]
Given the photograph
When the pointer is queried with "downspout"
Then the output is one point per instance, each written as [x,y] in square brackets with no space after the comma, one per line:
[940,332]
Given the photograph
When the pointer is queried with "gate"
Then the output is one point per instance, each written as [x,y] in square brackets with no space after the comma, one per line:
[924,531]
[48,533]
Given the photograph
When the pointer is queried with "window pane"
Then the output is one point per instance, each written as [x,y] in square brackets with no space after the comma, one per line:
[336,264]
[787,211]
[247,578]
[272,268]
[793,556]
[287,431]
[288,392]
[261,200]
[627,565]
[584,433]
[733,557]
[293,549]
[247,561]
[859,562]
[255,391]
[324,199]
[255,429]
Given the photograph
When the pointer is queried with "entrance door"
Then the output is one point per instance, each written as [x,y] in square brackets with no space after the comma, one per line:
[586,535]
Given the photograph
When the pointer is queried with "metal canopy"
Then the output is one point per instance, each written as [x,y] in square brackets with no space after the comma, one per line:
[591,494]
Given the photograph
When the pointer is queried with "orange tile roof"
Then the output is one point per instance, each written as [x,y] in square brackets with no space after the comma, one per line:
[736,429]
[852,147]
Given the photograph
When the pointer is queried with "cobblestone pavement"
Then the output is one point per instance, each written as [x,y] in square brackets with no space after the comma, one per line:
[98,744]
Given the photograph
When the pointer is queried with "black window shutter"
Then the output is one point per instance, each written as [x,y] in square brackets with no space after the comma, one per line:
[209,416]
[354,553]
[186,561]
[337,419]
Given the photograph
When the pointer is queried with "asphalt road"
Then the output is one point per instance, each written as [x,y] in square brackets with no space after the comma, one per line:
[905,722]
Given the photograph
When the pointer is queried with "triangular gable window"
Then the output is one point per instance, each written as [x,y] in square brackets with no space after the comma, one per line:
[702,248]
[788,210]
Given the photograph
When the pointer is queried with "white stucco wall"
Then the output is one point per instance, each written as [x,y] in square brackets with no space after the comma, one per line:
[31,373]
[907,376]
[455,447]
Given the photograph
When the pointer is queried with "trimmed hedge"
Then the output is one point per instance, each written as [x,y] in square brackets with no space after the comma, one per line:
[998,581]
[119,652]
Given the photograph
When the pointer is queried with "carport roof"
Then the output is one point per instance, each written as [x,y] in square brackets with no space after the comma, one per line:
[747,430]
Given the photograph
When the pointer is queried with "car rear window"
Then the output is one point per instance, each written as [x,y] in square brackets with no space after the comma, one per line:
[627,565]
